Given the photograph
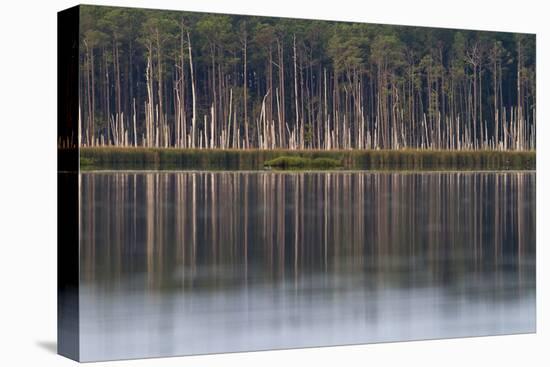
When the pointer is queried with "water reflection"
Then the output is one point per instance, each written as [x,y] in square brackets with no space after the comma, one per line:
[199,262]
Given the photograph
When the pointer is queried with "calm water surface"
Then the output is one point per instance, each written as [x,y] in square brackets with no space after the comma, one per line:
[199,262]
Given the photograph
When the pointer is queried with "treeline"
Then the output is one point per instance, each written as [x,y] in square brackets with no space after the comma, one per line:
[177,79]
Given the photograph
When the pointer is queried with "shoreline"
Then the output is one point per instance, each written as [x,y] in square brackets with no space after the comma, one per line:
[140,158]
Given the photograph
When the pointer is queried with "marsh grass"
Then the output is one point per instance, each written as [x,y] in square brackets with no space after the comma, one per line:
[289,162]
[256,159]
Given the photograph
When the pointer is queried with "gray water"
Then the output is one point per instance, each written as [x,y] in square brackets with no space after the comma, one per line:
[176,263]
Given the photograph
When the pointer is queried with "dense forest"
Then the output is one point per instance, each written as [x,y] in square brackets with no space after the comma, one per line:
[155,78]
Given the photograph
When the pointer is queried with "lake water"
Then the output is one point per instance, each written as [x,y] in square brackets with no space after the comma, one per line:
[176,263]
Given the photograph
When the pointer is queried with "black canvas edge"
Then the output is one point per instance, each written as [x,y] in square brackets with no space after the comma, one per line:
[68,341]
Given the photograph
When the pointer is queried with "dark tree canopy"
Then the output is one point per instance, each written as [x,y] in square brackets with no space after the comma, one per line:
[196,80]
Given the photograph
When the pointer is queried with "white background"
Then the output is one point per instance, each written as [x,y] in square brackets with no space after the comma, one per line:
[28,181]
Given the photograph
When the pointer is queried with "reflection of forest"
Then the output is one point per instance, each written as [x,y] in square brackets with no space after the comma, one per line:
[220,229]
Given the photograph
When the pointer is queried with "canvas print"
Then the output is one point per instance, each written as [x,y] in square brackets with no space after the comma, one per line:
[240,183]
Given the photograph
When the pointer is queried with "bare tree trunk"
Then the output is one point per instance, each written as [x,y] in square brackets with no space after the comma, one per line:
[245,89]
[194,118]
[281,103]
[149,108]
[519,96]
[134,119]
[297,122]
[161,112]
